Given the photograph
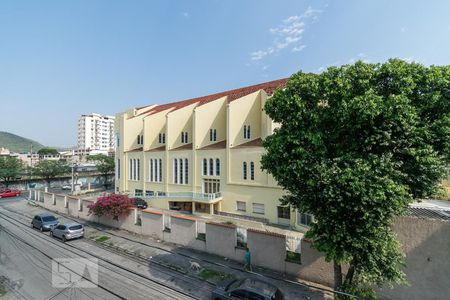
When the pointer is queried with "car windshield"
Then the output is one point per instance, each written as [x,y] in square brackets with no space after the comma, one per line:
[48,218]
[75,227]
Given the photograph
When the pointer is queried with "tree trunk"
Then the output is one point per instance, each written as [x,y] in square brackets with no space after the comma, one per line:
[337,276]
[350,273]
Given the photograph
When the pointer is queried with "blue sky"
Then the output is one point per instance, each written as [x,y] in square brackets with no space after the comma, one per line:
[60,59]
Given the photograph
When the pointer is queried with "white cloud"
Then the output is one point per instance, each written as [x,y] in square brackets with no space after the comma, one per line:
[299,48]
[288,34]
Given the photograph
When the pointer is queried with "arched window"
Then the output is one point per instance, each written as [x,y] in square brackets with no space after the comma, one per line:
[175,170]
[186,171]
[211,167]
[252,170]
[244,170]
[205,167]
[160,170]
[217,167]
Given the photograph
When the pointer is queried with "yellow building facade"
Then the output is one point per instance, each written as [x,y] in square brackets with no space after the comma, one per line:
[202,156]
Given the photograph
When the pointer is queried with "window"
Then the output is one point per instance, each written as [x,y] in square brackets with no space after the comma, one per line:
[138,177]
[258,208]
[184,137]
[252,170]
[140,139]
[217,167]
[160,170]
[151,170]
[241,206]
[283,212]
[244,170]
[205,167]
[118,169]
[149,193]
[304,219]
[117,140]
[162,138]
[138,193]
[211,186]
[211,167]
[246,132]
[180,171]
[213,135]
[175,170]
[186,171]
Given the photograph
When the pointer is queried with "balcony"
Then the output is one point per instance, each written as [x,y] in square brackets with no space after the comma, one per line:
[190,196]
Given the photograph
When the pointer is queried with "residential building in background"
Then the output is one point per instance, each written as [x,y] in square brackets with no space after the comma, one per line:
[203,156]
[96,132]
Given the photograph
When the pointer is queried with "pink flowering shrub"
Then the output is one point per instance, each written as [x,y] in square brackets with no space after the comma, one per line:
[111,205]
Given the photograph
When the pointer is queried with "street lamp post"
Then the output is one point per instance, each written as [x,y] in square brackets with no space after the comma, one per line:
[73,169]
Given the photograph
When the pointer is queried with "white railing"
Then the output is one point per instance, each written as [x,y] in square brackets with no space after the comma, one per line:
[186,195]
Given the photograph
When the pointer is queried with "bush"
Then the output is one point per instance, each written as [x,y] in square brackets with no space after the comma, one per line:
[112,205]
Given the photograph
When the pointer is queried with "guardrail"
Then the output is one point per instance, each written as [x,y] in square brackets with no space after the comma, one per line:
[185,195]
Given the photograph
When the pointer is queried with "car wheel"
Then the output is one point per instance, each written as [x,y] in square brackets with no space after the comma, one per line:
[64,238]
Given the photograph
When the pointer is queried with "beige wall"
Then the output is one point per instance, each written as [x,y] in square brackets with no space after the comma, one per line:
[179,121]
[212,115]
[244,111]
[154,125]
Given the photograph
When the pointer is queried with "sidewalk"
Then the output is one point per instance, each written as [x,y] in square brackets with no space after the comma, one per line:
[212,268]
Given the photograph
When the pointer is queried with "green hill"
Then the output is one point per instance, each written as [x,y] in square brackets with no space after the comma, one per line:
[17,143]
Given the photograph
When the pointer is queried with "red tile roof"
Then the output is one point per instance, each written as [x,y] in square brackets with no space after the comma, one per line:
[183,147]
[254,143]
[268,87]
[218,145]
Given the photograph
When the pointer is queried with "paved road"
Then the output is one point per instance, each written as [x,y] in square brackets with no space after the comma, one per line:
[26,267]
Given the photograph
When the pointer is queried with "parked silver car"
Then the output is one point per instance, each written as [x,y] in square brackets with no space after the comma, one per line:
[44,221]
[68,231]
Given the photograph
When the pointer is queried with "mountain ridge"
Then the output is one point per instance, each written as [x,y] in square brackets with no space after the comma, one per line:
[18,144]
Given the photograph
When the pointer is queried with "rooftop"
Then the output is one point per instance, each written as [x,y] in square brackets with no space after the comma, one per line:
[268,87]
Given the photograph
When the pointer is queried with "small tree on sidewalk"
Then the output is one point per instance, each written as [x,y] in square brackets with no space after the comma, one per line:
[113,205]
[49,169]
[10,169]
[105,165]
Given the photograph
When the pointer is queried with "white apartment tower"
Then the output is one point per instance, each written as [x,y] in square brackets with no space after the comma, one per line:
[96,132]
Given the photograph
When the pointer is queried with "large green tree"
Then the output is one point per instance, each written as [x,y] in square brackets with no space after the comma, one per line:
[10,169]
[49,169]
[356,145]
[105,165]
[47,151]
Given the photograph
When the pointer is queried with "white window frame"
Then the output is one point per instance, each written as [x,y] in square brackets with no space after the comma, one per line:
[241,206]
[258,208]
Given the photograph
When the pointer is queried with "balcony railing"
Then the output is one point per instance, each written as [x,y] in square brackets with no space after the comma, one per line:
[185,195]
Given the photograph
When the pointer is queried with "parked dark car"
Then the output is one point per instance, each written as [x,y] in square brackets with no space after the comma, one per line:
[248,288]
[67,231]
[44,221]
[140,203]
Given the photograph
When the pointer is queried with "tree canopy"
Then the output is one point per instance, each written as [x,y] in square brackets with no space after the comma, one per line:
[105,164]
[10,169]
[49,169]
[356,145]
[47,151]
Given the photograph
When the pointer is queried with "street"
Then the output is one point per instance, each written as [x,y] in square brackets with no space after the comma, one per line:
[26,267]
